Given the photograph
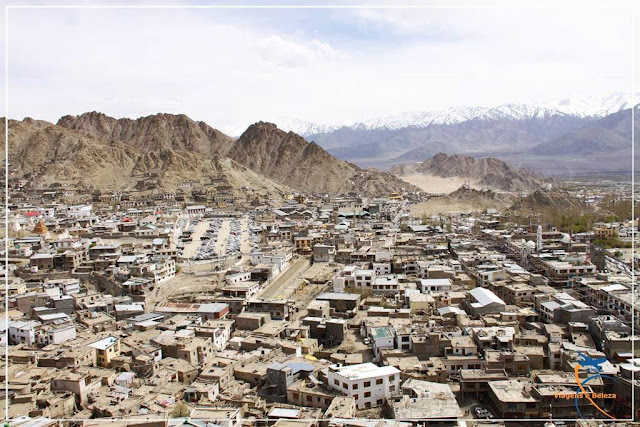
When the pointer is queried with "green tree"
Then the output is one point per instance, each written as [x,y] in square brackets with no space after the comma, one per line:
[180,410]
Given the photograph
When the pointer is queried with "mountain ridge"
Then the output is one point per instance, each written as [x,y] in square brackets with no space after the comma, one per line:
[483,172]
[95,149]
[582,107]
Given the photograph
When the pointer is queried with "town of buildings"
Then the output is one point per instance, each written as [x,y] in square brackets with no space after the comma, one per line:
[171,309]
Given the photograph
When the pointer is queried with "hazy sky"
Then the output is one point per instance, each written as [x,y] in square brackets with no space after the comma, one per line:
[227,66]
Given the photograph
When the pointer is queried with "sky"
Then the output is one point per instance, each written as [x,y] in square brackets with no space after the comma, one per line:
[329,65]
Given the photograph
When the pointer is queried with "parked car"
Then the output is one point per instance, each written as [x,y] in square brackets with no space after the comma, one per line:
[481,412]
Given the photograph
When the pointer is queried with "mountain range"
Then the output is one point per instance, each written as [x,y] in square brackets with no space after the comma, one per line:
[97,151]
[524,135]
[583,107]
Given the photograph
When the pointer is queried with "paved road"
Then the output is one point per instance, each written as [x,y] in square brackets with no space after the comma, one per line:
[276,289]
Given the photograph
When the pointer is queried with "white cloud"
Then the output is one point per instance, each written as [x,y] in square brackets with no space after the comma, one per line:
[288,53]
[221,67]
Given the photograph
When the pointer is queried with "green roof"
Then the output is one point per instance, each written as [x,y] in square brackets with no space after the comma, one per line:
[385,332]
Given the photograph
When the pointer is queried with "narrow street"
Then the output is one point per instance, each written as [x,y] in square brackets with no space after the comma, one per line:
[278,287]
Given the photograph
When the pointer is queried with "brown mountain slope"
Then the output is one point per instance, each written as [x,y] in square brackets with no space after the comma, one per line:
[39,149]
[462,200]
[485,172]
[544,200]
[286,157]
[157,132]
[101,151]
[50,153]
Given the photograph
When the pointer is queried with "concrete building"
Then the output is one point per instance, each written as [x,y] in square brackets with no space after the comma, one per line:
[368,384]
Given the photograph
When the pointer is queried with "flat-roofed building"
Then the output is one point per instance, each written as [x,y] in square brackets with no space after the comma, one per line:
[370,385]
[423,401]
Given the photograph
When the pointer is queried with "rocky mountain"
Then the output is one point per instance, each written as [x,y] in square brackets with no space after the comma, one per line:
[91,157]
[155,133]
[516,133]
[477,137]
[100,151]
[288,158]
[287,124]
[609,134]
[480,172]
[595,107]
[601,146]
[462,200]
[549,200]
[582,107]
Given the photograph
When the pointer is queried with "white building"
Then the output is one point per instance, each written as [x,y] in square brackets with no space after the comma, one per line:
[345,278]
[364,278]
[196,210]
[435,285]
[279,259]
[382,338]
[382,267]
[482,301]
[23,332]
[367,383]
[60,335]
[244,276]
[385,285]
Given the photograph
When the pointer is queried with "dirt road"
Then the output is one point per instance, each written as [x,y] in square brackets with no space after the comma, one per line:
[223,234]
[191,248]
[278,287]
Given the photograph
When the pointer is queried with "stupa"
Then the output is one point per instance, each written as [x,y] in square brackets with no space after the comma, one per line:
[40,228]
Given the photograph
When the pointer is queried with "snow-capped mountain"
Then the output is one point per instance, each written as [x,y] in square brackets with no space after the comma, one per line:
[592,106]
[302,127]
[576,107]
[287,124]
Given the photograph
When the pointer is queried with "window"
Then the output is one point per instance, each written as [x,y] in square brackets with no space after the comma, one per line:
[355,386]
[379,381]
[379,401]
[344,385]
[367,384]
[531,405]
[336,382]
[367,394]
[309,398]
[392,388]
